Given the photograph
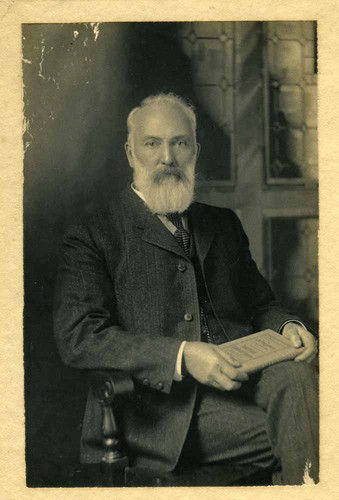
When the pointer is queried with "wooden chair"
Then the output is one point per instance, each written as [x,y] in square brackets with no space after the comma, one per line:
[109,387]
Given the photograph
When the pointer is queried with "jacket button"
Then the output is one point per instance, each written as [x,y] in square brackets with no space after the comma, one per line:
[182,267]
[160,386]
[188,317]
[146,381]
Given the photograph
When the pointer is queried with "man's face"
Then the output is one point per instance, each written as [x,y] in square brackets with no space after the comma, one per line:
[163,153]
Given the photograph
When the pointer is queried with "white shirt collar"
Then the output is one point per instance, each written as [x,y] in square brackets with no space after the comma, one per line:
[139,193]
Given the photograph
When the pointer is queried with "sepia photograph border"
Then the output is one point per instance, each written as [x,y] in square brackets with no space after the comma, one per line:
[14,14]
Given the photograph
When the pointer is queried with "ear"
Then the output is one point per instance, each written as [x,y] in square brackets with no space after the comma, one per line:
[198,149]
[129,154]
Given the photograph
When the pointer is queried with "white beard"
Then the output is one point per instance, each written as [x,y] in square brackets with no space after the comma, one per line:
[165,189]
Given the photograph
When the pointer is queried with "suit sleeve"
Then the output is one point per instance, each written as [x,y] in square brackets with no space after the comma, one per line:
[85,322]
[257,296]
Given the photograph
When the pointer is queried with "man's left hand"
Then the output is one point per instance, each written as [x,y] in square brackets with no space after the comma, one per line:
[299,336]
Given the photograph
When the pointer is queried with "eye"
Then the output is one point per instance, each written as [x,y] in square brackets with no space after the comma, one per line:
[182,143]
[151,144]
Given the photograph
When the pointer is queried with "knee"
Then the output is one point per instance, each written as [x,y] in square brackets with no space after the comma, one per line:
[299,369]
[293,374]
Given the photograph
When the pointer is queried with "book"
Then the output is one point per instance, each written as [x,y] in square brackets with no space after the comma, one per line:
[262,349]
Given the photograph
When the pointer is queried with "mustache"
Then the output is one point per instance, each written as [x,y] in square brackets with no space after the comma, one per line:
[163,171]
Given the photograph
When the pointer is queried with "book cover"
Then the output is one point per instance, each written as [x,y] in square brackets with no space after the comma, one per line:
[262,349]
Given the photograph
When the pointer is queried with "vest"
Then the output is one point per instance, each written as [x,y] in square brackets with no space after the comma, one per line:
[211,330]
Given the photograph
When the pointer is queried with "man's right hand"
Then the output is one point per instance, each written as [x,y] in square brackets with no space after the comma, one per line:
[211,366]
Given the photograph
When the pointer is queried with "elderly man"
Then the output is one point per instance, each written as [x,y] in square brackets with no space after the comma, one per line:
[151,284]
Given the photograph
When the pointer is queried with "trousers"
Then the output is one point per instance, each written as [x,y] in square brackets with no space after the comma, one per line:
[271,421]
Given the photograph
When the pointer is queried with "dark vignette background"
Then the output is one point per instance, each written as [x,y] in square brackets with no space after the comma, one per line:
[79,85]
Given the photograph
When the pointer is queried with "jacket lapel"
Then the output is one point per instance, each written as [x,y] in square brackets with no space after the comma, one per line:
[157,234]
[154,231]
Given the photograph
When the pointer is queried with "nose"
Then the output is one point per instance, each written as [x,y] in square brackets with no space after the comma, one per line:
[167,156]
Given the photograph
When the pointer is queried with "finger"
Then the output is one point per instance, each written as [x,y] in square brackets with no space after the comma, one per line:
[233,386]
[311,348]
[307,337]
[241,376]
[294,337]
[307,360]
[307,355]
[224,383]
[228,357]
[234,373]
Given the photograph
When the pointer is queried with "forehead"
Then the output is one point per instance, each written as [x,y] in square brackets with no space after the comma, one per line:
[162,119]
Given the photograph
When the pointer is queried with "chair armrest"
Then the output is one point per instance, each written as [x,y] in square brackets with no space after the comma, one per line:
[108,384]
[107,387]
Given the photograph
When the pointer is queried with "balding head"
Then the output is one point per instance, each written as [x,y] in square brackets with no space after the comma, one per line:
[176,101]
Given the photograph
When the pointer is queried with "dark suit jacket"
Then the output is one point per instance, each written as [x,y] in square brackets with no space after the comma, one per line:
[121,302]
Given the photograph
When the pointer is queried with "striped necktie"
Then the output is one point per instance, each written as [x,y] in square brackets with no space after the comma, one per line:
[181,235]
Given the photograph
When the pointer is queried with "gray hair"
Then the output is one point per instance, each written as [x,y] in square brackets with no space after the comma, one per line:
[186,107]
